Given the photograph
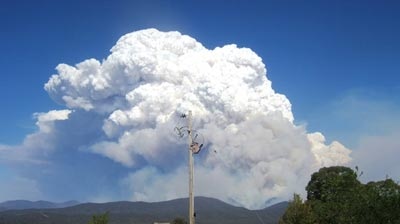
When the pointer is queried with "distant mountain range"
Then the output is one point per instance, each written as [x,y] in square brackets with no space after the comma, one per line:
[24,204]
[208,210]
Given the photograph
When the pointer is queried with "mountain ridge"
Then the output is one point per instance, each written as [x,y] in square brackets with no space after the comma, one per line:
[26,204]
[208,210]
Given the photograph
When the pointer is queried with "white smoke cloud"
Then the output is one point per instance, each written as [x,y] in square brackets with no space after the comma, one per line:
[254,151]
[38,144]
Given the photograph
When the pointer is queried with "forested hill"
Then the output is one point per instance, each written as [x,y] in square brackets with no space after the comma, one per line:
[208,210]
[24,204]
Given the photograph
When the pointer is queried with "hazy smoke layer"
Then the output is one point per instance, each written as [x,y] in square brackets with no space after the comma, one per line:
[253,150]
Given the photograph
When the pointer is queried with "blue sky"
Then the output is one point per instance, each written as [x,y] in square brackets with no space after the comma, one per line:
[336,61]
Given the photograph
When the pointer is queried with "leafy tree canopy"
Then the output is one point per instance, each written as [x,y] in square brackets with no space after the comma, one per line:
[99,219]
[298,212]
[335,195]
[178,221]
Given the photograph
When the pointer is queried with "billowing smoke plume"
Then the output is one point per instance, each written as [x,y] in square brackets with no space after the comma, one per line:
[253,151]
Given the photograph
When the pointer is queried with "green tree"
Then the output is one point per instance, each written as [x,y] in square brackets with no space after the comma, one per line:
[334,194]
[298,212]
[381,202]
[99,219]
[179,221]
[331,183]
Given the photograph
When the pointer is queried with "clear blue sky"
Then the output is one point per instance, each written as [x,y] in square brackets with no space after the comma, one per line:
[336,61]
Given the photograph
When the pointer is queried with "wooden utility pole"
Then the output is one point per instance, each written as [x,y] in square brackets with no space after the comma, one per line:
[191,171]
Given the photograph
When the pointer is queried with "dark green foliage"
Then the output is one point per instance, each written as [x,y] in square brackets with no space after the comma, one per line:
[382,202]
[332,184]
[179,221]
[298,212]
[334,195]
[99,219]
